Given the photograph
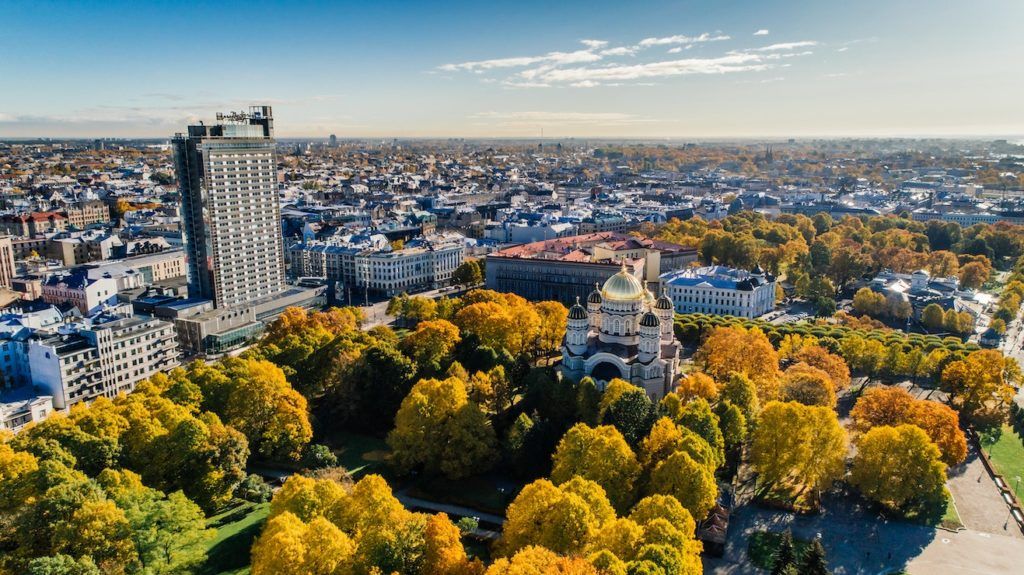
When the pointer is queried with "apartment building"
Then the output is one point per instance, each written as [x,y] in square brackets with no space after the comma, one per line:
[102,356]
[87,213]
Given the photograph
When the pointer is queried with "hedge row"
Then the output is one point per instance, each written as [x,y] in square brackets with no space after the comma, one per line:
[691,328]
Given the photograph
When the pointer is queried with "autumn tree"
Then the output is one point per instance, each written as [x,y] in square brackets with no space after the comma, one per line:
[696,385]
[868,302]
[254,397]
[729,350]
[553,318]
[973,275]
[438,429]
[599,454]
[979,386]
[832,364]
[808,385]
[687,480]
[898,466]
[799,446]
[932,316]
[289,546]
[892,406]
[431,343]
[546,515]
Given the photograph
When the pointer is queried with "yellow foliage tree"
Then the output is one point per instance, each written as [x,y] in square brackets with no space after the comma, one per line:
[892,406]
[439,429]
[690,482]
[731,350]
[799,446]
[288,546]
[431,342]
[550,517]
[696,385]
[979,385]
[833,365]
[444,553]
[601,455]
[98,529]
[896,466]
[262,405]
[808,385]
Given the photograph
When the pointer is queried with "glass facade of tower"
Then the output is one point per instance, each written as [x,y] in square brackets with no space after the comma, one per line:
[227,177]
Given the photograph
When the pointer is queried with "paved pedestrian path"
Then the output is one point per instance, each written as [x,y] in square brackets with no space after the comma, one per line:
[978,502]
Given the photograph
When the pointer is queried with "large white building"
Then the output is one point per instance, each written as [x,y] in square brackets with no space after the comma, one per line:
[104,355]
[623,333]
[367,261]
[720,290]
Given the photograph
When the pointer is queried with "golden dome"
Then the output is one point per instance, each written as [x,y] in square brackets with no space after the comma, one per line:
[623,286]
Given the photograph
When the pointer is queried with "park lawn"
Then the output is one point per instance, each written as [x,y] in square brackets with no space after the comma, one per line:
[1007,455]
[359,454]
[237,528]
[762,546]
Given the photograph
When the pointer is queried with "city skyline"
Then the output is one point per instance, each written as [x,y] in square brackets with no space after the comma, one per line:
[671,70]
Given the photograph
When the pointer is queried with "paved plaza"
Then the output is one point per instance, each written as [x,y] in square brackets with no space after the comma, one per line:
[861,543]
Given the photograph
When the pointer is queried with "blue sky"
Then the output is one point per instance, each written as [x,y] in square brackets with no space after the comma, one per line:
[682,69]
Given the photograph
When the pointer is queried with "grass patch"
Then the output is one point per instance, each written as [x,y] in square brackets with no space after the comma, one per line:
[1006,450]
[762,546]
[237,528]
[359,454]
[950,517]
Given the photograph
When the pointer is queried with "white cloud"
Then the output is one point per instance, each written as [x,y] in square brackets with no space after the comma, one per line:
[843,49]
[761,32]
[784,46]
[575,57]
[595,65]
[721,65]
[680,39]
[619,51]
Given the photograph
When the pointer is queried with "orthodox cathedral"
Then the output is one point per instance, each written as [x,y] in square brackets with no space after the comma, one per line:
[623,332]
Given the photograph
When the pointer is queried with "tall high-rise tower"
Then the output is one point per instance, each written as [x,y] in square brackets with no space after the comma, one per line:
[227,176]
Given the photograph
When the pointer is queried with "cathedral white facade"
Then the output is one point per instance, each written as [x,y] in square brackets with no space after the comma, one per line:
[623,332]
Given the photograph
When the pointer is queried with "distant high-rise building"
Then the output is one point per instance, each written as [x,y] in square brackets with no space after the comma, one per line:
[6,262]
[227,177]
[334,141]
